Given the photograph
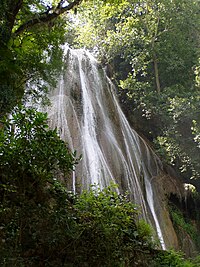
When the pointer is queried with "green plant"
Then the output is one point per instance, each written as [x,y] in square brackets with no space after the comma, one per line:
[171,259]
[31,158]
[96,228]
[183,220]
[31,39]
[111,221]
[33,152]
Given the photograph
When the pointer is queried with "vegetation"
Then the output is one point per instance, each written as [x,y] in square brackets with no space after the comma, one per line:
[185,225]
[31,35]
[173,259]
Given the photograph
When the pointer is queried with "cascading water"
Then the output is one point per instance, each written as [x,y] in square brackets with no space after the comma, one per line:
[87,115]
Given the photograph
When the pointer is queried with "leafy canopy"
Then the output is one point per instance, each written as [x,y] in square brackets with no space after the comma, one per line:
[31,35]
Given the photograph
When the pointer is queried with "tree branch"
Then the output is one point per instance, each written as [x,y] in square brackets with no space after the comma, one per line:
[9,13]
[46,16]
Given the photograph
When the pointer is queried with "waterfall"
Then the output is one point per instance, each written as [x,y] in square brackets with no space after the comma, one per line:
[85,110]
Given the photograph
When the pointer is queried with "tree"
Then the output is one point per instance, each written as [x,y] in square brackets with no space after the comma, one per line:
[31,35]
[31,155]
[159,39]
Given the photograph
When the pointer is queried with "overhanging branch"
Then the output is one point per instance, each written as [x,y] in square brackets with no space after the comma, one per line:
[49,15]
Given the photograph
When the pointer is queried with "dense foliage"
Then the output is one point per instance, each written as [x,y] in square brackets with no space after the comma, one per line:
[31,156]
[153,47]
[31,35]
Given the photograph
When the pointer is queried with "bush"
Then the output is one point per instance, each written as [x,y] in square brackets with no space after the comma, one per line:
[171,259]
[110,229]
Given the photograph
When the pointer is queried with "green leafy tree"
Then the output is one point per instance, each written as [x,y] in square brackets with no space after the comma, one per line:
[31,35]
[32,159]
[148,35]
[31,155]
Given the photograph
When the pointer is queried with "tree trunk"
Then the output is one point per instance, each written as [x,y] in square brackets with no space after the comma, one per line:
[155,59]
[155,63]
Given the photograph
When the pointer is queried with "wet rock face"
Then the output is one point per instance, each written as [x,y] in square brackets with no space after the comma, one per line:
[163,186]
[186,243]
[109,70]
[88,116]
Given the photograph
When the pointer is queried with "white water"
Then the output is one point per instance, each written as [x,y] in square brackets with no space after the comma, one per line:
[87,114]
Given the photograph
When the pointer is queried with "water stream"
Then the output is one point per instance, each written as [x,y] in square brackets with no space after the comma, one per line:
[87,114]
